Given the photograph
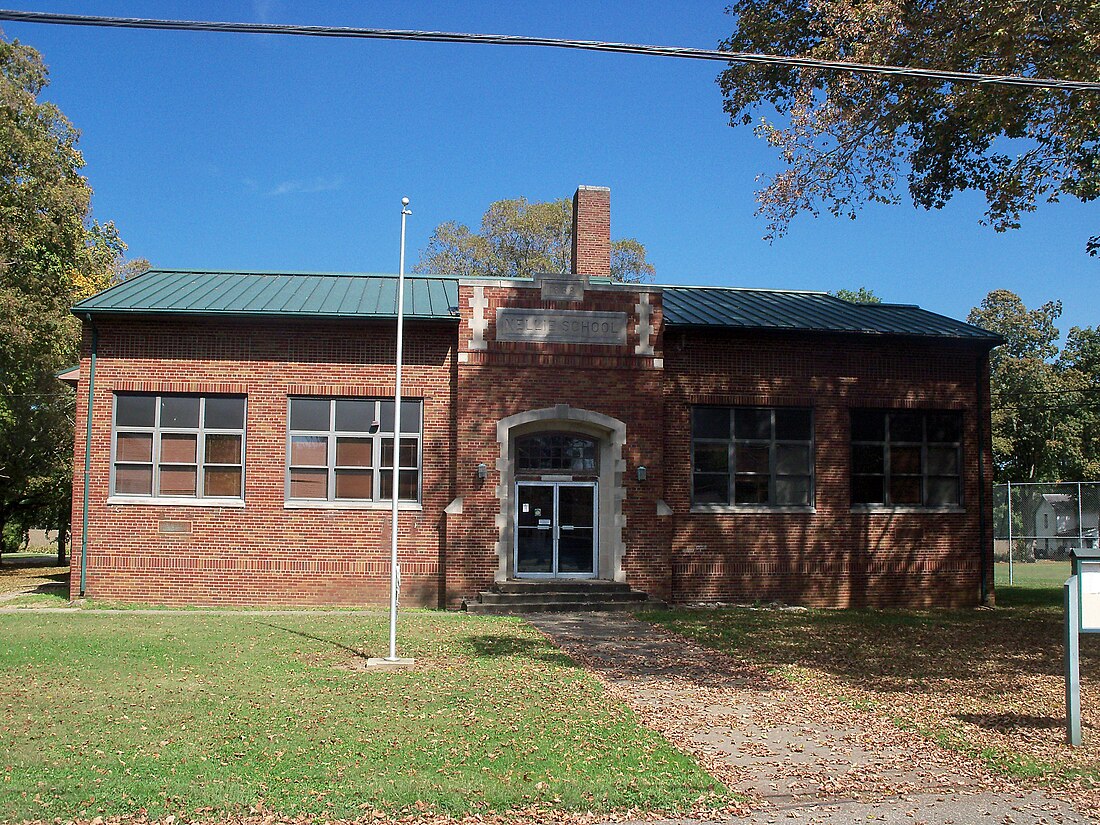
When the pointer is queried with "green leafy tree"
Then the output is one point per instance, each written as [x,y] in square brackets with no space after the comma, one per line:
[848,139]
[519,239]
[863,295]
[1079,368]
[1031,438]
[51,254]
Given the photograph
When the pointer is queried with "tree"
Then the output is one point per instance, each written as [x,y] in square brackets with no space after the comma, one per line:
[848,139]
[863,295]
[51,254]
[1044,426]
[519,239]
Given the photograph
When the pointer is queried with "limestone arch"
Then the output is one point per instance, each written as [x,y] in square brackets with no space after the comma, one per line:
[611,435]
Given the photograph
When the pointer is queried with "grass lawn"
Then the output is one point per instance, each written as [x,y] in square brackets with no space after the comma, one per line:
[1032,575]
[111,712]
[986,682]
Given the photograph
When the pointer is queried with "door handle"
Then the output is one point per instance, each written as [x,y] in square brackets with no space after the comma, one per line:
[567,527]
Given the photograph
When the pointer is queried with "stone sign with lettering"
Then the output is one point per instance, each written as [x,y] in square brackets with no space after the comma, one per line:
[561,326]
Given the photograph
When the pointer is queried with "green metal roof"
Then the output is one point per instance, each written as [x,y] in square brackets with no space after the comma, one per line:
[350,295]
[807,311]
[314,294]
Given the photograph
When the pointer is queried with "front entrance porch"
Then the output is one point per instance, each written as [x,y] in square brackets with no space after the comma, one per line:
[517,596]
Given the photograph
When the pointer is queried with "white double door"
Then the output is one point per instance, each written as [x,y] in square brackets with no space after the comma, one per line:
[556,533]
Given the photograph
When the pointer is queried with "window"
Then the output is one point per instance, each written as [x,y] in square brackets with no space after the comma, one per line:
[906,457]
[556,453]
[341,449]
[752,455]
[168,446]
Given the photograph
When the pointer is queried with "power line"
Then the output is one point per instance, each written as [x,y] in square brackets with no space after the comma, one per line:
[940,75]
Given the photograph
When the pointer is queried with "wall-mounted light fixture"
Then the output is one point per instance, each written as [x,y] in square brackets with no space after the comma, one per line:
[641,473]
[482,471]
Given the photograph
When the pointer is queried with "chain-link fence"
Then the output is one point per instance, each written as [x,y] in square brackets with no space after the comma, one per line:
[1044,521]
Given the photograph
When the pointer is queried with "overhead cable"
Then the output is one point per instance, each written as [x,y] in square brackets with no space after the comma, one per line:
[939,75]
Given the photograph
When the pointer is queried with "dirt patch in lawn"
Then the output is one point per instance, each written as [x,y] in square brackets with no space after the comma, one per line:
[27,573]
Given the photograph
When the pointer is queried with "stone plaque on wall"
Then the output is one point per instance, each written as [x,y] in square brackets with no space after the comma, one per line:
[562,326]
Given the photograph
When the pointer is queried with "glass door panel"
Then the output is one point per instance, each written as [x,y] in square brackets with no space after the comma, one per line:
[576,529]
[534,528]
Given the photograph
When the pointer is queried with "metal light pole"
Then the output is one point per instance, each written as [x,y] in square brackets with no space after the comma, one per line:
[395,569]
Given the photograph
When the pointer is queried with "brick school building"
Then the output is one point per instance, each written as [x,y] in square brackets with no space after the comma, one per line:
[699,444]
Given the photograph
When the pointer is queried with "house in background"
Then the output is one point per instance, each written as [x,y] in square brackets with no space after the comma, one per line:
[698,444]
[1061,523]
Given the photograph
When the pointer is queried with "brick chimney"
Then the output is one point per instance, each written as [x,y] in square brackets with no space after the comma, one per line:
[592,231]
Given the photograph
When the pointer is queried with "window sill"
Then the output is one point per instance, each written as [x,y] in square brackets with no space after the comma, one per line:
[755,509]
[410,506]
[887,509]
[177,501]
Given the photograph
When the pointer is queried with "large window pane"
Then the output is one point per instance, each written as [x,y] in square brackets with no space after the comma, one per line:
[131,480]
[354,452]
[711,489]
[309,414]
[177,481]
[943,461]
[135,410]
[868,489]
[711,457]
[410,416]
[179,411]
[355,484]
[354,415]
[792,490]
[710,422]
[223,449]
[406,491]
[750,423]
[308,483]
[178,448]
[942,492]
[906,427]
[905,490]
[792,459]
[868,458]
[309,450]
[222,481]
[750,458]
[134,447]
[905,460]
[944,428]
[793,425]
[868,425]
[224,413]
[750,490]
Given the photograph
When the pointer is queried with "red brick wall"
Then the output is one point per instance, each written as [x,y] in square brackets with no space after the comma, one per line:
[263,553]
[832,556]
[266,554]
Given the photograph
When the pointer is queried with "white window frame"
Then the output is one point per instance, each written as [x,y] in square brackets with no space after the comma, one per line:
[157,431]
[377,435]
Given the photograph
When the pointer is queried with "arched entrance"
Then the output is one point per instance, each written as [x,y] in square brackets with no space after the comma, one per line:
[561,495]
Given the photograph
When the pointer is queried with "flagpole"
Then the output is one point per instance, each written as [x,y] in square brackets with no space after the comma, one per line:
[395,569]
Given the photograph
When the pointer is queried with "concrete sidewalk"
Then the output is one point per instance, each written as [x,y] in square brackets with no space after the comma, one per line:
[798,756]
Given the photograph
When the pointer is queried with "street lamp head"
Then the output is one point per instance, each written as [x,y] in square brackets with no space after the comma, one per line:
[404,201]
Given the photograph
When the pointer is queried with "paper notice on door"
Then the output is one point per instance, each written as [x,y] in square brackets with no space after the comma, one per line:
[526,507]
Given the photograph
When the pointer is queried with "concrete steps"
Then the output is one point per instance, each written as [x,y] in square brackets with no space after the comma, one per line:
[519,596]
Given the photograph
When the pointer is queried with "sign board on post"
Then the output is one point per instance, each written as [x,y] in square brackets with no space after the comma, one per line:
[1082,600]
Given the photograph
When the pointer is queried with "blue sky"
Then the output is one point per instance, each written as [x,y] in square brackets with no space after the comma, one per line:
[255,152]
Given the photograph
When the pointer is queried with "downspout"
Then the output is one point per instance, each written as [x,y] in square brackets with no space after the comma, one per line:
[981,479]
[87,459]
